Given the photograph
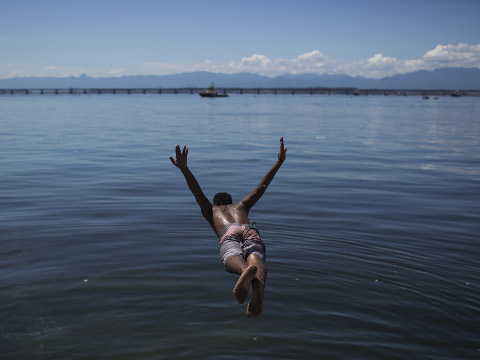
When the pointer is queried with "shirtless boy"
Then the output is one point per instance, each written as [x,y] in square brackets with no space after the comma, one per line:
[241,248]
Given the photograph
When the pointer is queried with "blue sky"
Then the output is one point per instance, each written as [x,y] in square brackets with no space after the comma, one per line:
[371,38]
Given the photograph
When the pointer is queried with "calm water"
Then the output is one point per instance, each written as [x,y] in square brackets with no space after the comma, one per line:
[372,227]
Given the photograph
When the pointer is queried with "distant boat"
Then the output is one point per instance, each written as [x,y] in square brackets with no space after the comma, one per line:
[211,92]
[356,92]
[457,93]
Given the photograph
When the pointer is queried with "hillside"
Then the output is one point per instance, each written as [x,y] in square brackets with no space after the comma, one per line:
[446,78]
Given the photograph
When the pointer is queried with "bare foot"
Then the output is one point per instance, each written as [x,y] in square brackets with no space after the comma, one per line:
[240,291]
[255,305]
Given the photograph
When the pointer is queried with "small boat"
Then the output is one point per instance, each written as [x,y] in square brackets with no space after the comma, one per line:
[457,93]
[211,92]
[356,92]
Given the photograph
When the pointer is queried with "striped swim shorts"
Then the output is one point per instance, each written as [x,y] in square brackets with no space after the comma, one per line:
[241,240]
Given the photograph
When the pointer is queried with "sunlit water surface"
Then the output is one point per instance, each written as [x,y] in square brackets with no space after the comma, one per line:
[371,226]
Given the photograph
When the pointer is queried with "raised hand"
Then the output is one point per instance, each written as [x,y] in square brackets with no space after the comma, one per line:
[283,151]
[181,157]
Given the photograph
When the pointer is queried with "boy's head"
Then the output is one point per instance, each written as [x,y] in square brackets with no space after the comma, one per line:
[222,198]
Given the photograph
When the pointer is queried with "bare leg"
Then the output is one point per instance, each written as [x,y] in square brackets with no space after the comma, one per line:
[237,265]
[255,306]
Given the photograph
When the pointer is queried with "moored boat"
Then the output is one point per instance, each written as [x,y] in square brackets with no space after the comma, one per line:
[211,92]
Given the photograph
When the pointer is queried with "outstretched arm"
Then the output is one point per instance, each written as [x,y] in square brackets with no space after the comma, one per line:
[257,193]
[181,163]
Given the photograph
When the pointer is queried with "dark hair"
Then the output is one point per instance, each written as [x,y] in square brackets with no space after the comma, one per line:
[222,198]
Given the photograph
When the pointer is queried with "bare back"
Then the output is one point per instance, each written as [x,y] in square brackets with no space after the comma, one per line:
[224,215]
[220,216]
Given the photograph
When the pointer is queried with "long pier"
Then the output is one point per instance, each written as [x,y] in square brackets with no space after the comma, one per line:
[241,91]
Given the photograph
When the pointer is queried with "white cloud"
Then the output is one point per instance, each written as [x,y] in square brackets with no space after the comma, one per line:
[15,73]
[313,61]
[381,62]
[116,72]
[379,65]
[453,55]
[256,63]
[461,55]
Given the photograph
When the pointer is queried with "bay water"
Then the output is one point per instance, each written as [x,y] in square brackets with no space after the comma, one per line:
[371,226]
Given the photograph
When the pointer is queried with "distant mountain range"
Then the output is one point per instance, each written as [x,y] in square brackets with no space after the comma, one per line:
[446,78]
